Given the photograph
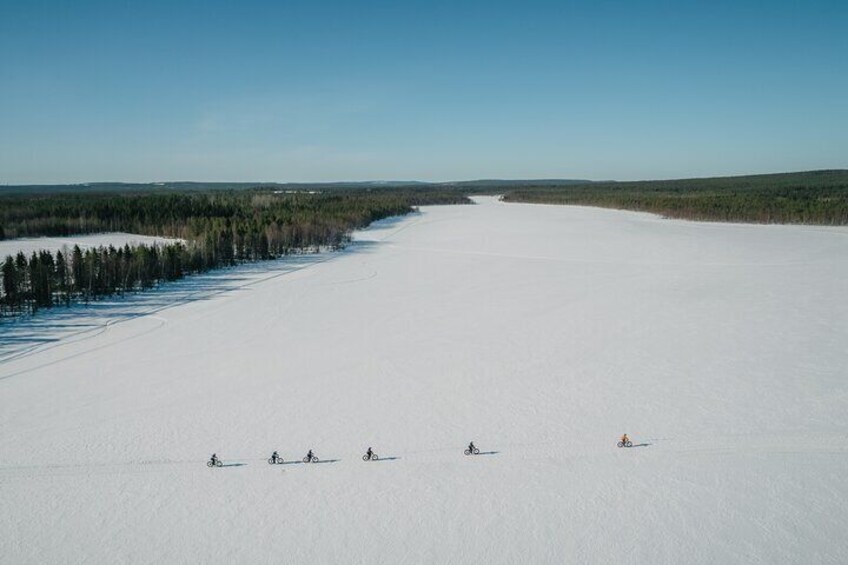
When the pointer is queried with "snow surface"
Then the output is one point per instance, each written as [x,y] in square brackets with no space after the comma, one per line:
[540,332]
[30,244]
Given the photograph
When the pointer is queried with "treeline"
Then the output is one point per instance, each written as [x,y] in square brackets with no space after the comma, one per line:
[218,229]
[815,197]
[43,279]
[192,215]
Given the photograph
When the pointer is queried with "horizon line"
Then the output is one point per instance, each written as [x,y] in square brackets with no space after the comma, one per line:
[413,181]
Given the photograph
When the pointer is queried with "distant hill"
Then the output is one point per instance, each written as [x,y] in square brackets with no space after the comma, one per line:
[187,186]
[809,197]
[513,182]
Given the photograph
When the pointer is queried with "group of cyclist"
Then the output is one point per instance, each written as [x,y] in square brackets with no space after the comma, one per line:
[370,455]
[276,459]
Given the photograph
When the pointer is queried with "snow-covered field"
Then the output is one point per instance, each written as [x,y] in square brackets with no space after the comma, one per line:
[540,332]
[53,244]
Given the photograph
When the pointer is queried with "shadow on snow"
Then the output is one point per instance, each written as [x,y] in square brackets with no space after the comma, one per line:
[51,327]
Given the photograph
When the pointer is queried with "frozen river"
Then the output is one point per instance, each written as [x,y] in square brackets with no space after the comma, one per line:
[540,332]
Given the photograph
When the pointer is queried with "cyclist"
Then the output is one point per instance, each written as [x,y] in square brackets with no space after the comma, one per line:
[214,459]
[274,457]
[310,455]
[471,448]
[369,454]
[624,439]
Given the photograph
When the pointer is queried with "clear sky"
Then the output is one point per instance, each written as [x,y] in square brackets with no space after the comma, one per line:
[319,91]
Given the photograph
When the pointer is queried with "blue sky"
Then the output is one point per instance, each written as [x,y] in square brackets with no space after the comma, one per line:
[322,91]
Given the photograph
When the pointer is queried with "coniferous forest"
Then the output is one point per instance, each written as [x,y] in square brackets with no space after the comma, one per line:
[814,197]
[217,229]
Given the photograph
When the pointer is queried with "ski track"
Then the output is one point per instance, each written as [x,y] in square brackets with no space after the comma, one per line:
[540,332]
[98,329]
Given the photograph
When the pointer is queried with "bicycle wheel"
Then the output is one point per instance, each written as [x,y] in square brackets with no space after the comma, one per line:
[374,457]
[210,464]
[365,457]
[306,459]
[628,444]
[620,444]
[476,451]
[467,452]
